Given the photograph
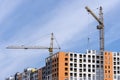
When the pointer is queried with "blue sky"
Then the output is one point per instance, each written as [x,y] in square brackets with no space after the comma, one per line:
[28,22]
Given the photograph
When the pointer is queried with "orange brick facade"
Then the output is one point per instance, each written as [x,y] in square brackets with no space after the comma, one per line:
[108,66]
[63,66]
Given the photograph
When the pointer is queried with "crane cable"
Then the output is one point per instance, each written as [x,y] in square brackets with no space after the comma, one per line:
[57,43]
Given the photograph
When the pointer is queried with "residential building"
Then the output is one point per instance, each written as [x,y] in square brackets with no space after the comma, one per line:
[57,66]
[18,76]
[91,65]
[42,73]
[10,78]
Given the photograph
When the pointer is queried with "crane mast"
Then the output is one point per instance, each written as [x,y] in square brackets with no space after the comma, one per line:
[51,45]
[100,27]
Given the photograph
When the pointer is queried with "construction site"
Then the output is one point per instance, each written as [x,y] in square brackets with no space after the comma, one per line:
[92,65]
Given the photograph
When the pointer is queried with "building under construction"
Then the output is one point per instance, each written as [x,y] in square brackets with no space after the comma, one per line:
[92,65]
[75,66]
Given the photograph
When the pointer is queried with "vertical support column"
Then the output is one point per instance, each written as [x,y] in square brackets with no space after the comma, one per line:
[101,28]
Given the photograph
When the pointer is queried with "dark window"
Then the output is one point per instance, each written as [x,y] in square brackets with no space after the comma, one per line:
[101,57]
[118,54]
[71,74]
[101,62]
[66,69]
[105,71]
[84,70]
[84,65]
[89,51]
[75,70]
[71,55]
[75,60]
[89,70]
[66,74]
[114,59]
[89,61]
[114,63]
[93,61]
[80,55]
[75,74]
[118,63]
[84,60]
[75,65]
[93,70]
[66,54]
[80,65]
[118,72]
[71,64]
[118,59]
[71,59]
[89,66]
[89,56]
[80,60]
[97,66]
[118,67]
[97,57]
[80,70]
[105,66]
[108,67]
[66,59]
[71,69]
[89,75]
[93,57]
[84,75]
[114,72]
[66,64]
[93,66]
[75,55]
[84,56]
[80,75]
[105,53]
[97,61]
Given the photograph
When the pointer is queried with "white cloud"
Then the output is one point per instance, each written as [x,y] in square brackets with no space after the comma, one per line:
[6,8]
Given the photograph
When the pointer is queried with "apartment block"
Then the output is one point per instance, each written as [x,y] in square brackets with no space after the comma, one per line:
[71,66]
[42,73]
[34,75]
[10,78]
[57,66]
[28,74]
[82,66]
[18,76]
[90,65]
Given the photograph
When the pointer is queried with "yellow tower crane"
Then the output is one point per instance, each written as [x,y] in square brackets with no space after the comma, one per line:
[50,49]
